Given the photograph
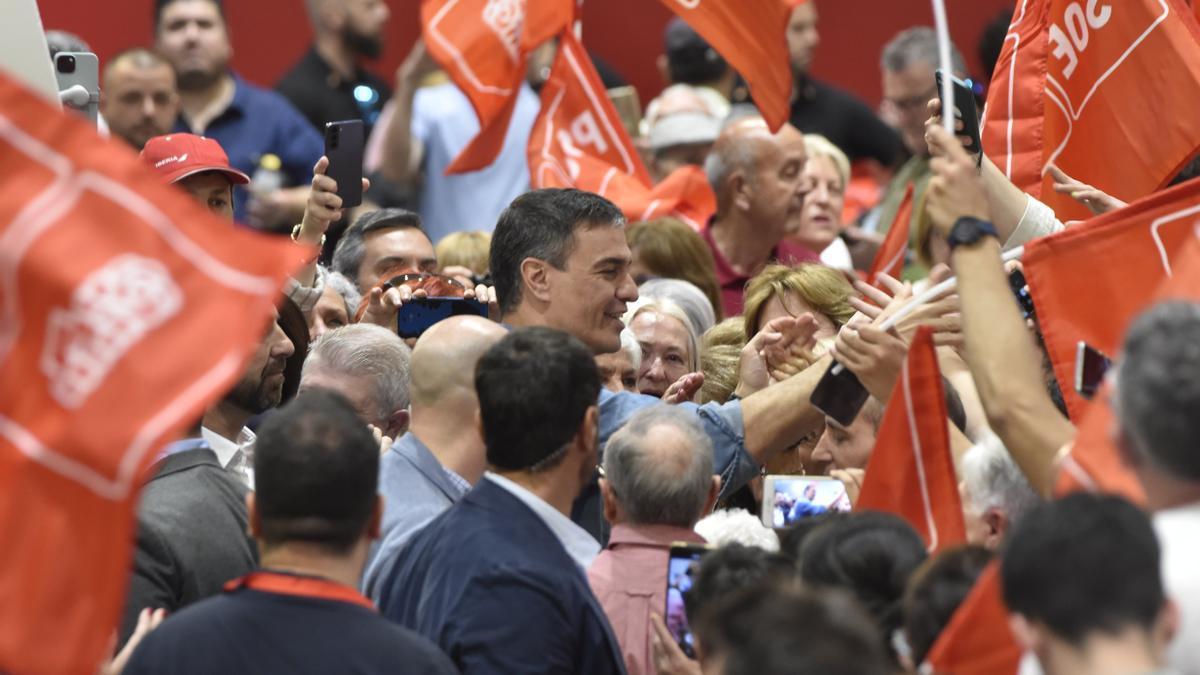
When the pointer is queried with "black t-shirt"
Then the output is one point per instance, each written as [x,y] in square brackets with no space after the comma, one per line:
[324,96]
[253,631]
[847,122]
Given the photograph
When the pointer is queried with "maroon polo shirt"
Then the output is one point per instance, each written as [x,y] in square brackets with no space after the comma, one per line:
[733,283]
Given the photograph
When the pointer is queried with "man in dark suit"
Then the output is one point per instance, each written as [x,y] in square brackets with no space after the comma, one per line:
[191,532]
[498,579]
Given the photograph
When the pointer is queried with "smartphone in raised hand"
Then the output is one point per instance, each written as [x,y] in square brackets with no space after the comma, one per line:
[963,107]
[344,148]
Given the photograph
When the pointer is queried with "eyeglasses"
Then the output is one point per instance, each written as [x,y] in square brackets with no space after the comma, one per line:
[436,285]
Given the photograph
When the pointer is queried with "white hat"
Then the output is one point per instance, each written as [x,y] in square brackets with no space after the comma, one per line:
[683,128]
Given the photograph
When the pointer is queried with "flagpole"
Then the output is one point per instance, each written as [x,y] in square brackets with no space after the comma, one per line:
[943,43]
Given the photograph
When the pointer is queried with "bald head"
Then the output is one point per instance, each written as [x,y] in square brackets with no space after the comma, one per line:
[444,358]
[759,174]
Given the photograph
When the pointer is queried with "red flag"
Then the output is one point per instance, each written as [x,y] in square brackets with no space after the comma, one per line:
[978,641]
[483,45]
[889,259]
[911,472]
[127,309]
[578,141]
[1073,86]
[1094,463]
[1089,281]
[752,36]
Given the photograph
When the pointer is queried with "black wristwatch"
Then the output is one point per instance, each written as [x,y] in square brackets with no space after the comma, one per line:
[968,230]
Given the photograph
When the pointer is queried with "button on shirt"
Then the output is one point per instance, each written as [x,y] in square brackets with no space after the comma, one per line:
[629,579]
[578,543]
[733,282]
[257,122]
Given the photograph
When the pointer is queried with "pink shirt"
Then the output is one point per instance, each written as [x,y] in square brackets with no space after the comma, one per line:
[733,283]
[629,579]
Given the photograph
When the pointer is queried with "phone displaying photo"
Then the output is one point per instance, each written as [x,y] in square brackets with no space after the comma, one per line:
[1090,367]
[418,314]
[787,499]
[682,566]
[344,148]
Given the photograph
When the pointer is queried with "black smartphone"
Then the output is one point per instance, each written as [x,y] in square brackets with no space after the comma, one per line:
[418,314]
[682,566]
[839,394]
[964,109]
[1090,367]
[344,148]
[1020,289]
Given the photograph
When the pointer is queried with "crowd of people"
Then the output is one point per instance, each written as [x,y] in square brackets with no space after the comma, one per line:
[503,493]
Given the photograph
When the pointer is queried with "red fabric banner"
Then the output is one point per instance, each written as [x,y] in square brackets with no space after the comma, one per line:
[978,641]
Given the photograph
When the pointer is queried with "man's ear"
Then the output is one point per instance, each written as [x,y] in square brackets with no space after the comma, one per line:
[254,522]
[661,64]
[611,510]
[589,431]
[535,277]
[714,491]
[997,526]
[740,189]
[397,424]
[1025,633]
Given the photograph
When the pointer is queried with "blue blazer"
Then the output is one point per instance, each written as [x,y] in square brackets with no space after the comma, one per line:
[491,585]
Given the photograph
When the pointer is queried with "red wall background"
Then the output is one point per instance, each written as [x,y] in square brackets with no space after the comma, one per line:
[269,35]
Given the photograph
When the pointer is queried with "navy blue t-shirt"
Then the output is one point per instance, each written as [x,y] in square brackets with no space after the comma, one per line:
[252,631]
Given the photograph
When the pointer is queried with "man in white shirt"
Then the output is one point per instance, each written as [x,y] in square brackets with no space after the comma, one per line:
[498,581]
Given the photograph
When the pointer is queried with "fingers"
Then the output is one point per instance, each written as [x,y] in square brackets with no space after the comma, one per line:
[940,273]
[1060,177]
[321,166]
[872,293]
[867,309]
[893,285]
[948,146]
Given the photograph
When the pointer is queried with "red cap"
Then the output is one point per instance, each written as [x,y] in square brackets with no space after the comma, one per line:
[177,156]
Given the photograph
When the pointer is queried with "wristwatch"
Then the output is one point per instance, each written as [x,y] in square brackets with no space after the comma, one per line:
[968,230]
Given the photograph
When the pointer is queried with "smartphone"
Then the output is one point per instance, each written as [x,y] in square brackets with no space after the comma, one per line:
[964,109]
[839,394]
[1090,367]
[787,499]
[344,148]
[80,69]
[1020,289]
[418,314]
[682,567]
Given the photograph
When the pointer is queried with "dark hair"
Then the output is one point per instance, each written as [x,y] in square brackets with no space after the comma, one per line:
[934,593]
[870,554]
[161,5]
[792,537]
[690,59]
[352,247]
[541,224]
[728,569]
[534,386]
[316,468]
[785,630]
[991,41]
[1084,564]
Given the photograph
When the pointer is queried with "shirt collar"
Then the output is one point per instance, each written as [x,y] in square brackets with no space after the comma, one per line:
[580,545]
[225,448]
[287,583]
[657,536]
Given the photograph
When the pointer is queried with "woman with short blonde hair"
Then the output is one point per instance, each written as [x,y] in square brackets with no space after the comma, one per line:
[791,291]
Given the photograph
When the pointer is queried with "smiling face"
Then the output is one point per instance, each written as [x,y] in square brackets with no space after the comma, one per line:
[588,297]
[821,222]
[666,352]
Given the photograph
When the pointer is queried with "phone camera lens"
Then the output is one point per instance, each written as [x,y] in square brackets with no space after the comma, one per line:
[66,64]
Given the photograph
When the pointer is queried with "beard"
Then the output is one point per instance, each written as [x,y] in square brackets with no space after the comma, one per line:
[257,393]
[368,46]
[191,80]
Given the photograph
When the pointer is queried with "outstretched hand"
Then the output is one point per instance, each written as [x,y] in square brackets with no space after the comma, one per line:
[1097,201]
[781,349]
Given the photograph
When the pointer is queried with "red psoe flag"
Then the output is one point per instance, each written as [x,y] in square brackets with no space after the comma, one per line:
[1106,90]
[578,141]
[911,472]
[126,310]
[752,36]
[1089,281]
[889,259]
[978,641]
[483,45]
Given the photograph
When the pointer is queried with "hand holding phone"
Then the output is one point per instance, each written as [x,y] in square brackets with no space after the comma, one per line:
[1091,365]
[344,148]
[963,108]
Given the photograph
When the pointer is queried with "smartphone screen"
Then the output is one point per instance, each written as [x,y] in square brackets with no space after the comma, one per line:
[964,109]
[840,395]
[344,148]
[1090,367]
[787,499]
[682,566]
[418,314]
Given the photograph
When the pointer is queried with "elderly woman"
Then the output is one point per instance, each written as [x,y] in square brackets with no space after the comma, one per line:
[670,345]
[820,228]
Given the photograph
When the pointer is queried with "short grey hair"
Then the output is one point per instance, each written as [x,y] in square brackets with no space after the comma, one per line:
[344,286]
[352,247]
[631,347]
[657,486]
[992,480]
[1158,387]
[915,45]
[668,307]
[724,159]
[369,351]
[688,296]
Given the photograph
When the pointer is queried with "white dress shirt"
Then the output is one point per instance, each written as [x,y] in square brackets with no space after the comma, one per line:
[237,457]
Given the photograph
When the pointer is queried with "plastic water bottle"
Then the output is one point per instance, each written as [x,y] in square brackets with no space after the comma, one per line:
[268,177]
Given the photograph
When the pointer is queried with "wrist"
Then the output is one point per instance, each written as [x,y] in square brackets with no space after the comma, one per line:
[970,230]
